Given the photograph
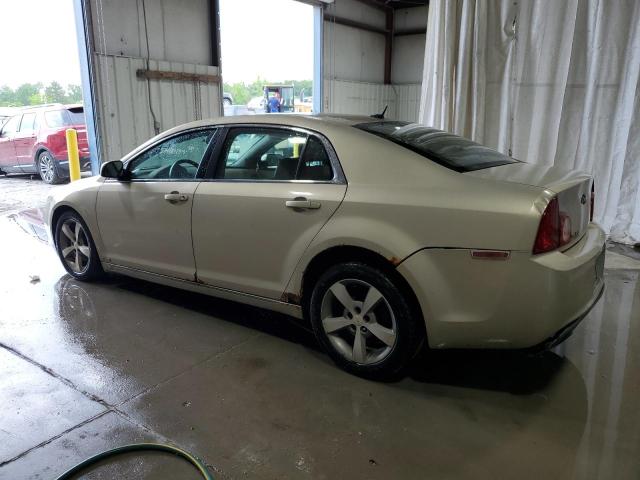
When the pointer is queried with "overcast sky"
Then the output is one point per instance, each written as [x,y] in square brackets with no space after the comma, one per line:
[39,42]
[271,39]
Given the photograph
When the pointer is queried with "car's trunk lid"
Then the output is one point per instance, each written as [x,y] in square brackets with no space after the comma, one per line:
[572,188]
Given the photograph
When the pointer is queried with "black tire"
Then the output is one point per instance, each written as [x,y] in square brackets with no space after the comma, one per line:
[409,330]
[227,102]
[47,168]
[89,270]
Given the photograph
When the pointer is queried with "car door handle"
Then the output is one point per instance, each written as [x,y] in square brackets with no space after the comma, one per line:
[303,203]
[175,197]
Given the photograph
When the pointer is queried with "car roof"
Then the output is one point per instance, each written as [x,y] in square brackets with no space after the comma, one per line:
[50,106]
[318,121]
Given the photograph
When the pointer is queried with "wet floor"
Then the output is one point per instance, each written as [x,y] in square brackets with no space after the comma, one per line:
[85,367]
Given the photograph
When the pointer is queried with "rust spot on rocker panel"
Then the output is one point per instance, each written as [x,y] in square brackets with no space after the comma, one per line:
[289,297]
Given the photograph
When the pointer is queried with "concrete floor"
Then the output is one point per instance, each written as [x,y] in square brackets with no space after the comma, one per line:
[85,367]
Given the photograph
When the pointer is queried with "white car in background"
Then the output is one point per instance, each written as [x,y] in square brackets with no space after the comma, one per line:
[256,104]
[386,235]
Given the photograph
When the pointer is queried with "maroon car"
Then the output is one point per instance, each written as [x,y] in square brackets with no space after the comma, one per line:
[34,141]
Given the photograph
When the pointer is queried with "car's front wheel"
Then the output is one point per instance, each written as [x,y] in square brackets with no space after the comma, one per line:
[364,320]
[76,248]
[47,168]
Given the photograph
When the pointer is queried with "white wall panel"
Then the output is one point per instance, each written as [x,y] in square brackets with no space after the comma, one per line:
[356,97]
[123,101]
[178,29]
[353,54]
[407,100]
[407,59]
[361,98]
[354,62]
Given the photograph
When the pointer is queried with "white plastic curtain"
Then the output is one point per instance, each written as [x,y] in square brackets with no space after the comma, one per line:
[549,81]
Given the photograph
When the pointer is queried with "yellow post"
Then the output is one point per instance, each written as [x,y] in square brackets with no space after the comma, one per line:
[74,155]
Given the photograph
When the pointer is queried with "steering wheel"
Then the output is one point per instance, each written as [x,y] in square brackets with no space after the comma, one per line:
[178,171]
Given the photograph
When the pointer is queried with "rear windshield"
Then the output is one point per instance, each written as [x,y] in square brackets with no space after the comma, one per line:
[446,149]
[65,118]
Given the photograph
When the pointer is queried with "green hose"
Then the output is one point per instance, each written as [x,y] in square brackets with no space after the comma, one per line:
[136,447]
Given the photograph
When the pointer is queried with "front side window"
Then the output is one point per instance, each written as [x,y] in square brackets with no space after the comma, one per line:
[28,120]
[11,126]
[449,150]
[177,158]
[272,154]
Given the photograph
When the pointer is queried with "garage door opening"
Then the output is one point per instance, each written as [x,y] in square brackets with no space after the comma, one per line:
[40,92]
[267,56]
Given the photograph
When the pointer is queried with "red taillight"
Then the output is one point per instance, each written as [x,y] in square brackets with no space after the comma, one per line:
[548,237]
[554,230]
[593,199]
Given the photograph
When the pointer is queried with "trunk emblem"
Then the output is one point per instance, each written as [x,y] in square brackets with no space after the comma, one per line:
[583,199]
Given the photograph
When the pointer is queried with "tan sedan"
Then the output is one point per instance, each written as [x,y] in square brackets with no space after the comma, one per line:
[384,234]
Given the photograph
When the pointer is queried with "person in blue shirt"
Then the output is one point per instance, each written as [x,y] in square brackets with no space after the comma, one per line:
[274,103]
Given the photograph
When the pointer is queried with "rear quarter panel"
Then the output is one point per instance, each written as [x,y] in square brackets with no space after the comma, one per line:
[398,202]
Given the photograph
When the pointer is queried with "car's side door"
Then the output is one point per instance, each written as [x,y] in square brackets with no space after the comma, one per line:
[145,219]
[25,139]
[269,194]
[8,159]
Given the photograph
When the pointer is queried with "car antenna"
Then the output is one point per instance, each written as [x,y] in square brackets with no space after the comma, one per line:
[380,115]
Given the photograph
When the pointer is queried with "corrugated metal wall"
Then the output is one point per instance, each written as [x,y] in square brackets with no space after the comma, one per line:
[123,101]
[407,101]
[343,96]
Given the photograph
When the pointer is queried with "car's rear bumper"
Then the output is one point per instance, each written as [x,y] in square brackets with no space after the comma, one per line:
[516,303]
[566,331]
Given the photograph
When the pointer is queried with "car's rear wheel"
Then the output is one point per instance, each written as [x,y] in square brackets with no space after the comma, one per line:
[47,168]
[76,248]
[364,320]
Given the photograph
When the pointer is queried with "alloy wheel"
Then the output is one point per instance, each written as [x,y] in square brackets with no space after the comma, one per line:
[45,164]
[74,246]
[358,321]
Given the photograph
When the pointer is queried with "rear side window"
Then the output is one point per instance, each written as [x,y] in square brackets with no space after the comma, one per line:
[28,121]
[273,154]
[315,164]
[261,154]
[55,118]
[446,149]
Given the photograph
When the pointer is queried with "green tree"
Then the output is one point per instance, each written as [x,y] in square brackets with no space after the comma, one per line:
[25,93]
[74,94]
[7,96]
[36,99]
[54,93]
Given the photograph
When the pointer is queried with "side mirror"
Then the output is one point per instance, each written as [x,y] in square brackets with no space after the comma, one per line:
[113,169]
